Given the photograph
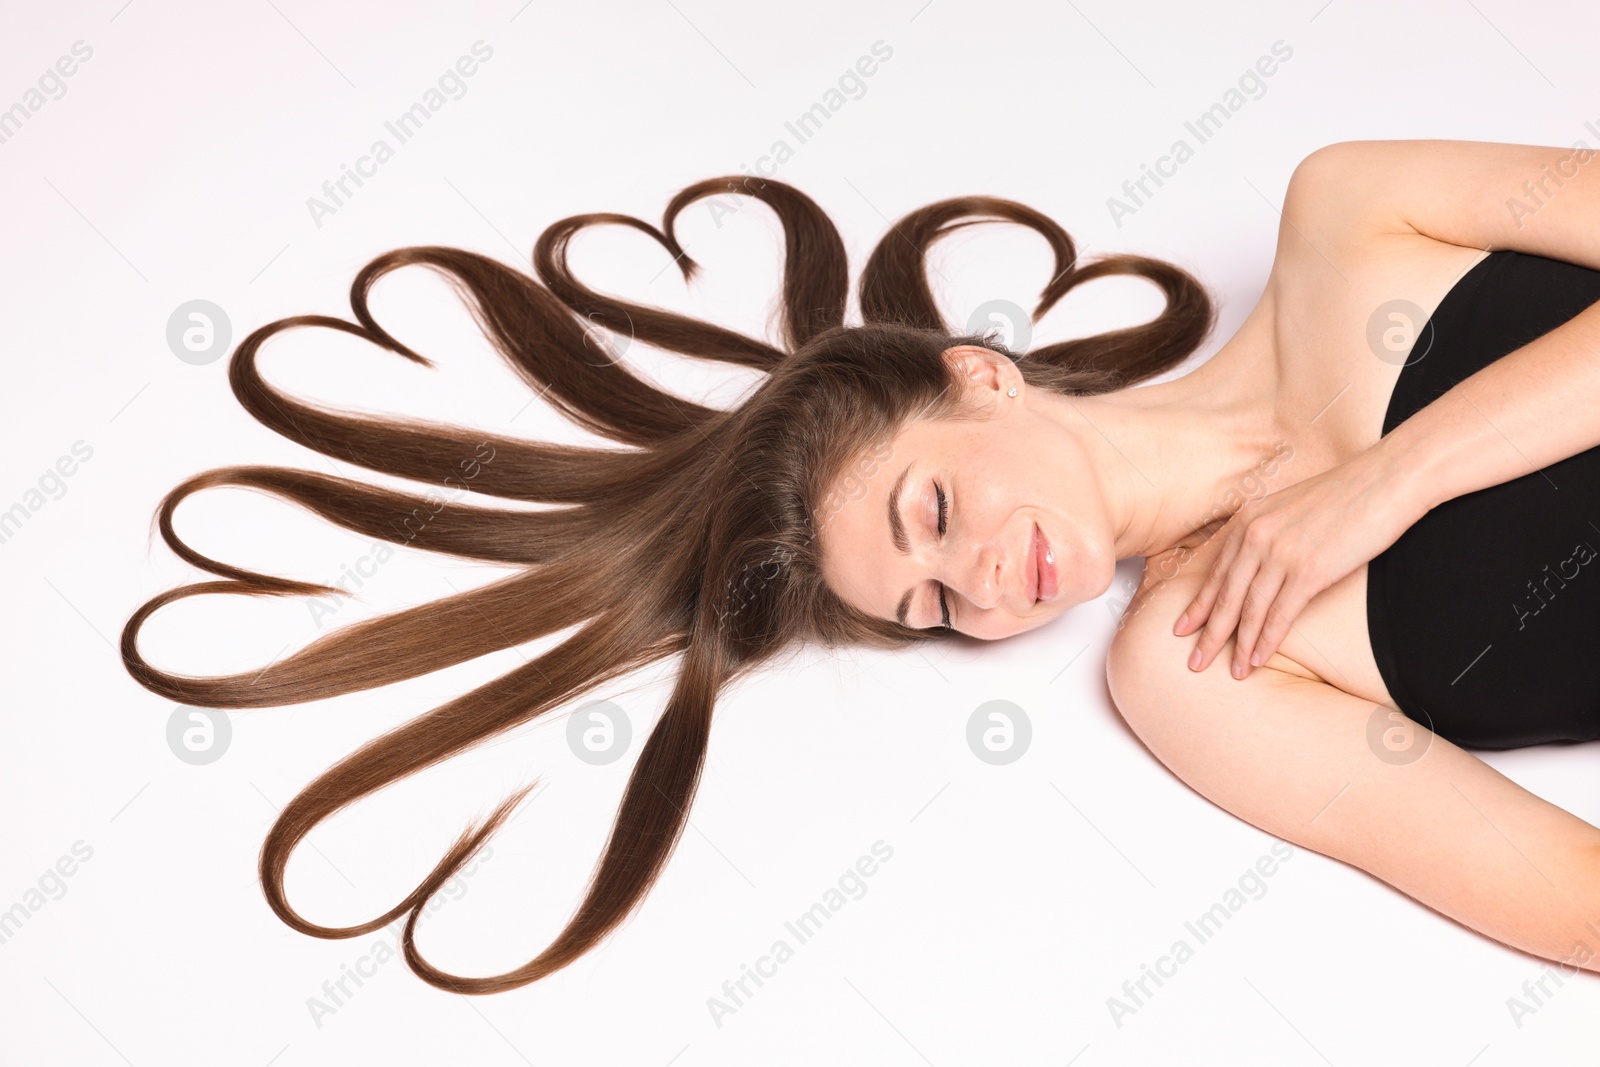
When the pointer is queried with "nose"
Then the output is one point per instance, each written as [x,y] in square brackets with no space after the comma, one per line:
[975,575]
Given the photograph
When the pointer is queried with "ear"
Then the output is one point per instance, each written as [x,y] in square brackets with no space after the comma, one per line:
[987,375]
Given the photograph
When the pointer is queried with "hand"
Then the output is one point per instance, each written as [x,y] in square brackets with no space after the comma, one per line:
[1282,549]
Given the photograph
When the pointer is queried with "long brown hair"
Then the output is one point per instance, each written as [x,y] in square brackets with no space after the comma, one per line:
[698,537]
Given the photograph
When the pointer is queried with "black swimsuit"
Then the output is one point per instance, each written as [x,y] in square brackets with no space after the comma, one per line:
[1484,616]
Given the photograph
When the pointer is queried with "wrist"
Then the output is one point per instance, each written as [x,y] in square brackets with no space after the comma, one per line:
[1403,474]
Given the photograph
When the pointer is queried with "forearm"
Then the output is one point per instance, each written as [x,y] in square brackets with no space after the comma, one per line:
[1533,407]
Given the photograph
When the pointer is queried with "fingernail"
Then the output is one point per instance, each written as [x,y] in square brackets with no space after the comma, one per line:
[1194,660]
[1255,658]
[1182,622]
[1238,670]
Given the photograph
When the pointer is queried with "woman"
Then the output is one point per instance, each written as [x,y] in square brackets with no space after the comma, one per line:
[894,481]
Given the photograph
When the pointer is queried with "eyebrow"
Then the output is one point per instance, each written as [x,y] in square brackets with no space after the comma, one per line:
[902,544]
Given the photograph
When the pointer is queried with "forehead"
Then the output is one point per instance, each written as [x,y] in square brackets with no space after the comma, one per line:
[853,531]
[859,559]
[871,472]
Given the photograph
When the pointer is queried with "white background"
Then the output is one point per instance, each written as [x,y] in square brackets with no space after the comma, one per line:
[178,165]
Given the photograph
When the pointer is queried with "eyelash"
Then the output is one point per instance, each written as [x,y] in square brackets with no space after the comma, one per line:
[944,607]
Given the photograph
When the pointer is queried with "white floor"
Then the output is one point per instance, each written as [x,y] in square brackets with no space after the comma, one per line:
[1008,904]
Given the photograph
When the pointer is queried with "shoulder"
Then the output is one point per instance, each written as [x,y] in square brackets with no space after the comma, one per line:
[1328,210]
[1473,194]
[1355,203]
[1335,190]
[1170,580]
[1147,668]
[1270,748]
[1139,663]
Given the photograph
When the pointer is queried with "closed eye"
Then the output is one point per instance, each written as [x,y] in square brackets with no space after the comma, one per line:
[944,606]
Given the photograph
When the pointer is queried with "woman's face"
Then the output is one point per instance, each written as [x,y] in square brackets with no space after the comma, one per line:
[1015,474]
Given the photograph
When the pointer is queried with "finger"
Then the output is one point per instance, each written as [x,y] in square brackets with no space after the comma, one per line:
[1225,612]
[1257,606]
[1199,609]
[1251,550]
[1291,601]
[1204,602]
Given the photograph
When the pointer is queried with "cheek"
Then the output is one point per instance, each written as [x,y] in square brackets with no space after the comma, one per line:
[996,470]
[1007,459]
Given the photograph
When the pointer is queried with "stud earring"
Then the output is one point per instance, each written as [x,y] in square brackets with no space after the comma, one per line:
[1012,391]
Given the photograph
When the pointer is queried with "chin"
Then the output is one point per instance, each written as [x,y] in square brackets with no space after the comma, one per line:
[1032,622]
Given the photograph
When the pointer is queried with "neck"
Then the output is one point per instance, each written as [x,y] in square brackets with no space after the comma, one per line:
[1175,456]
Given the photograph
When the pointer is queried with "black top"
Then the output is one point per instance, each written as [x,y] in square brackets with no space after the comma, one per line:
[1484,615]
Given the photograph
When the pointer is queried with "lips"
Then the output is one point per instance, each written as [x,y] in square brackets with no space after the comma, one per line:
[1044,585]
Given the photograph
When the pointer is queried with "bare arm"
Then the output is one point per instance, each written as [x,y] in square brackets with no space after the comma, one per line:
[1521,413]
[1525,411]
[1307,762]
[1533,407]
